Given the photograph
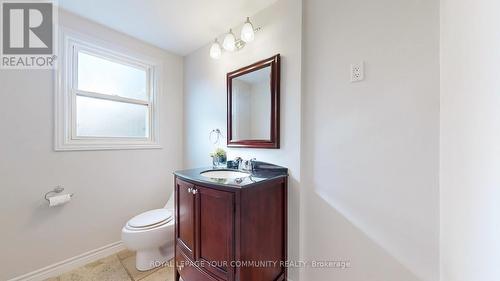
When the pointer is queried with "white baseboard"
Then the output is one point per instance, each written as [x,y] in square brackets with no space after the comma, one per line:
[59,268]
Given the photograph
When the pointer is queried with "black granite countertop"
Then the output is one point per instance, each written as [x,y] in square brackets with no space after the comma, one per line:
[262,172]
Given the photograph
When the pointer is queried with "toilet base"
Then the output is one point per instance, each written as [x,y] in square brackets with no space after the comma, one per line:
[151,258]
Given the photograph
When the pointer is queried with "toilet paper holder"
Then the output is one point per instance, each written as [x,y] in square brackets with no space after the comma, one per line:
[58,189]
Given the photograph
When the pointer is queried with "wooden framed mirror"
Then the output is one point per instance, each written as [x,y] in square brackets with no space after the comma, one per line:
[253,105]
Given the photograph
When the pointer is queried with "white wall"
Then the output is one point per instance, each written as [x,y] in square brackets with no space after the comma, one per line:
[470,140]
[205,99]
[370,150]
[109,186]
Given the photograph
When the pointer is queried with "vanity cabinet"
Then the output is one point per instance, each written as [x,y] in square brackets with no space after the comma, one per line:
[226,233]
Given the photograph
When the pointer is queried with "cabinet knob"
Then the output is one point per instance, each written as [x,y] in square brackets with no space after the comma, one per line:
[195,191]
[190,190]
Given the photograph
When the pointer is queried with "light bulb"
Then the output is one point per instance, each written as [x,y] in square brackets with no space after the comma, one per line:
[247,31]
[229,43]
[215,50]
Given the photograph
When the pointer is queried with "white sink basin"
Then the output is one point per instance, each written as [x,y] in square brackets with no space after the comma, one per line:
[223,174]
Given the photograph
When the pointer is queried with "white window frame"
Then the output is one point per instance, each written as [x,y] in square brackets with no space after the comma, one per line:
[65,99]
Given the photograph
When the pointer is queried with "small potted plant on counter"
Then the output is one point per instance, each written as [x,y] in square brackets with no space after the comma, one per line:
[219,157]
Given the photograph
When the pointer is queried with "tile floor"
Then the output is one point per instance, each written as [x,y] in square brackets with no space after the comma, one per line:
[119,267]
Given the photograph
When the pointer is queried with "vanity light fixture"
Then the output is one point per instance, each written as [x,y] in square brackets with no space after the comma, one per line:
[231,43]
[215,50]
[247,31]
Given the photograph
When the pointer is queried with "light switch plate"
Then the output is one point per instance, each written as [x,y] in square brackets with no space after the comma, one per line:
[357,72]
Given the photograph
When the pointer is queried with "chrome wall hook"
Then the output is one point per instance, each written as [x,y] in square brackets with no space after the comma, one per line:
[58,189]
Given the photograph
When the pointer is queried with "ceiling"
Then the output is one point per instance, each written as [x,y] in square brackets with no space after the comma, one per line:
[179,26]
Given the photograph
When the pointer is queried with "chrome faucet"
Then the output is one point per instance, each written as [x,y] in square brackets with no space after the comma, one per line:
[247,165]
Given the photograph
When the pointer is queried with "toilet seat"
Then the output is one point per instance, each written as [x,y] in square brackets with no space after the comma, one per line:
[150,219]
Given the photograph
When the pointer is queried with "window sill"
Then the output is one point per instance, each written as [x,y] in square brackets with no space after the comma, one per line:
[101,146]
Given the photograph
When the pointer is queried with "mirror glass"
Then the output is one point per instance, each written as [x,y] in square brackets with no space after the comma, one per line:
[251,105]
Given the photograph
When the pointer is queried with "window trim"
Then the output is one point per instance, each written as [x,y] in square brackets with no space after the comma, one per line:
[66,92]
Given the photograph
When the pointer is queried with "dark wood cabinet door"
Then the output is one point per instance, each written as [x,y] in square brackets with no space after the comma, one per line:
[188,271]
[215,231]
[185,217]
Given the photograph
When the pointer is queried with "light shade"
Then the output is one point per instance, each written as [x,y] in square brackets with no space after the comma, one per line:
[247,31]
[229,43]
[215,50]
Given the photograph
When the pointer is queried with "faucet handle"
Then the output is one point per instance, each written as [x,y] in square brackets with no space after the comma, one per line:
[248,164]
[252,163]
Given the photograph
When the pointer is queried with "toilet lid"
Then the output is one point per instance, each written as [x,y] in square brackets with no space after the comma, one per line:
[150,218]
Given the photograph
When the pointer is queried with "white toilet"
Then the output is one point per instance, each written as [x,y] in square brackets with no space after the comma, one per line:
[151,235]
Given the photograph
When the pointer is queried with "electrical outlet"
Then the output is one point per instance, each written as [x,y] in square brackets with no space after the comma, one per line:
[357,72]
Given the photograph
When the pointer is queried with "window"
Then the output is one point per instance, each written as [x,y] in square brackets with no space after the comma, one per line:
[106,98]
